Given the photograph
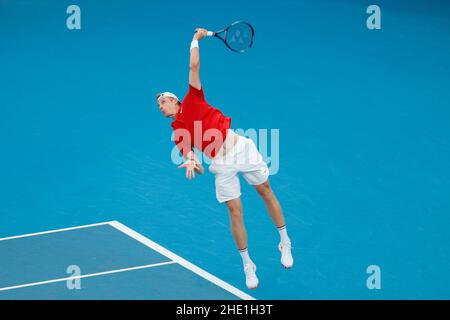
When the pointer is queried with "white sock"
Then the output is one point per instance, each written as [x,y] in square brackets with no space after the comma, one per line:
[245,257]
[283,234]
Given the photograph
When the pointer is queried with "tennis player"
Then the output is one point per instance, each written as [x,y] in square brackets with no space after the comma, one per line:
[197,124]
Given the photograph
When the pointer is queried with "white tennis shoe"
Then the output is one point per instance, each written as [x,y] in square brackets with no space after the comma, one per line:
[286,256]
[251,280]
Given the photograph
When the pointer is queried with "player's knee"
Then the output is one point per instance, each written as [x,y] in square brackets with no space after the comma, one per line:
[264,190]
[235,213]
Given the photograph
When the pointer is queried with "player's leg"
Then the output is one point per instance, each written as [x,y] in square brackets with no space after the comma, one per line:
[270,200]
[273,207]
[256,172]
[240,237]
[237,224]
[228,191]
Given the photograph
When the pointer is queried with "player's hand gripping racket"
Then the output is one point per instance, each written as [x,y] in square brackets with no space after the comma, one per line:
[238,36]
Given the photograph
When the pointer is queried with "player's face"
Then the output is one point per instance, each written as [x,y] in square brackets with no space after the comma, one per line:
[168,106]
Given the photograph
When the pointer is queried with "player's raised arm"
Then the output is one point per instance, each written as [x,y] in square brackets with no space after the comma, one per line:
[194,62]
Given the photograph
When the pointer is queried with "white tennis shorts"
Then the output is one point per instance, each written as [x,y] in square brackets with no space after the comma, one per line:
[243,158]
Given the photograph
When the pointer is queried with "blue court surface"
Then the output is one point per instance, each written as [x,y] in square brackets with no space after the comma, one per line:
[363,170]
[112,261]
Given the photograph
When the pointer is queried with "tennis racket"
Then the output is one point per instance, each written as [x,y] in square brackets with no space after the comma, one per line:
[238,36]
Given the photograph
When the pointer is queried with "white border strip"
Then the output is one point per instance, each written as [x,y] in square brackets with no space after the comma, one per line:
[54,231]
[86,276]
[188,265]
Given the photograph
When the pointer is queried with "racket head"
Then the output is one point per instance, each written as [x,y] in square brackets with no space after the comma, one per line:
[239,36]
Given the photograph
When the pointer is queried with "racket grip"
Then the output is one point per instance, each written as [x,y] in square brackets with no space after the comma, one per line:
[208,33]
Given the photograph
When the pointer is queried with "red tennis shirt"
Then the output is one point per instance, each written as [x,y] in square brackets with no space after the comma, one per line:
[197,124]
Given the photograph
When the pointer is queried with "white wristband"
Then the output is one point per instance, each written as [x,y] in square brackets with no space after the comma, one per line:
[194,44]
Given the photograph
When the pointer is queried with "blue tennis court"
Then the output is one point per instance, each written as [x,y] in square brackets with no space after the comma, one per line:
[362,169]
[112,261]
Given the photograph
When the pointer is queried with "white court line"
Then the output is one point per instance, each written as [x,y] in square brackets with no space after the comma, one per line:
[188,265]
[86,276]
[57,230]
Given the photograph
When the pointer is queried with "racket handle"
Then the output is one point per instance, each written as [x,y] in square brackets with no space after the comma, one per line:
[208,33]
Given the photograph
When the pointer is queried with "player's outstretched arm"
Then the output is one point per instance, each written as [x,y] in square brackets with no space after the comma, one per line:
[194,62]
